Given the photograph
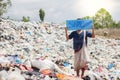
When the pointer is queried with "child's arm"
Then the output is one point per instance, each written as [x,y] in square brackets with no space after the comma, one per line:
[66,33]
[93,34]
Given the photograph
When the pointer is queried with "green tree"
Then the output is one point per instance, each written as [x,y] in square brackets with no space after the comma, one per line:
[41,14]
[4,5]
[25,19]
[118,25]
[103,19]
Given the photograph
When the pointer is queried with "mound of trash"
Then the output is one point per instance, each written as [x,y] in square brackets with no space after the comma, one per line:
[22,41]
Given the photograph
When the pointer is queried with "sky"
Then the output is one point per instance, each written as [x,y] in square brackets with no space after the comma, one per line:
[61,10]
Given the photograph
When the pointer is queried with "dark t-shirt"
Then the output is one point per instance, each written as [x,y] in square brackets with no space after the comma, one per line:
[78,39]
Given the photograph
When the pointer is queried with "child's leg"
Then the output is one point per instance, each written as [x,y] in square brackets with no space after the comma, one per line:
[82,74]
[77,72]
[83,71]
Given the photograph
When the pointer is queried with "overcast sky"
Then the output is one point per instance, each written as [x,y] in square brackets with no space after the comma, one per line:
[61,10]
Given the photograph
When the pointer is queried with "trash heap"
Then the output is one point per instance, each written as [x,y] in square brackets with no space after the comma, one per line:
[32,40]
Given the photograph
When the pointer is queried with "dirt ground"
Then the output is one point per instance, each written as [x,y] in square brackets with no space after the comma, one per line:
[108,33]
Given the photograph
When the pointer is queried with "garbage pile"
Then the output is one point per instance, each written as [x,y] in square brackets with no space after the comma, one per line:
[21,41]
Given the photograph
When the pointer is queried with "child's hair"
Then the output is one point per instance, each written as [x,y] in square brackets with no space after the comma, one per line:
[79,18]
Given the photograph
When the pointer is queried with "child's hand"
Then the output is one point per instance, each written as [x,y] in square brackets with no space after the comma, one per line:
[93,27]
[66,28]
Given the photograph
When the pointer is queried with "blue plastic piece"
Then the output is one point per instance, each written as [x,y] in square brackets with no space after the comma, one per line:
[110,66]
[66,64]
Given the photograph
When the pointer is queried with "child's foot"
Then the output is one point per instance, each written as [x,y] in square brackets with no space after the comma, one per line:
[82,77]
[77,76]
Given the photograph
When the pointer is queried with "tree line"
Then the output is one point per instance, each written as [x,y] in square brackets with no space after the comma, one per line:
[5,4]
[102,18]
[41,15]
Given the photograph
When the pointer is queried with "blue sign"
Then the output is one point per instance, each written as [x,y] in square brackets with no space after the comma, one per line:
[79,24]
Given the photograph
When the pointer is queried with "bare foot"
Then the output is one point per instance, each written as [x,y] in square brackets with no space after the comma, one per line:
[82,77]
[77,76]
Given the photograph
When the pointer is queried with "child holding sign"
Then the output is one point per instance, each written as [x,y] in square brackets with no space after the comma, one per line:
[78,37]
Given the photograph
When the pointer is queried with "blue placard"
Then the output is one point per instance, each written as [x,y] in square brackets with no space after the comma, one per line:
[79,24]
